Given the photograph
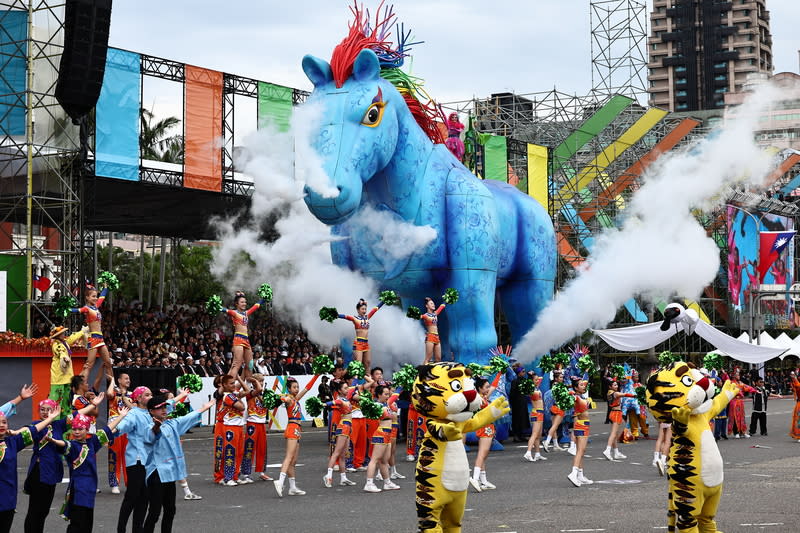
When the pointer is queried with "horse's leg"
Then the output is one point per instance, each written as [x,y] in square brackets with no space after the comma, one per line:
[470,321]
[522,301]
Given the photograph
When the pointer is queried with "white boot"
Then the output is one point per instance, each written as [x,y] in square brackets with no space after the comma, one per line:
[528,457]
[539,457]
[618,454]
[583,479]
[572,450]
[573,477]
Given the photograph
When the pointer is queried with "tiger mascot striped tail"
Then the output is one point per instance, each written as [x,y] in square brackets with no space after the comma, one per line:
[681,395]
[445,394]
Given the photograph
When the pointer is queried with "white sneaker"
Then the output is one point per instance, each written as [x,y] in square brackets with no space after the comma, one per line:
[736,436]
[296,492]
[114,490]
[397,475]
[573,477]
[192,496]
[390,486]
[655,462]
[335,468]
[475,484]
[572,450]
[328,482]
[528,457]
[662,467]
[278,488]
[747,435]
[378,477]
[618,454]
[370,487]
[346,482]
[245,480]
[350,470]
[607,455]
[583,479]
[539,457]
[361,468]
[230,483]
[547,446]
[410,458]
[487,485]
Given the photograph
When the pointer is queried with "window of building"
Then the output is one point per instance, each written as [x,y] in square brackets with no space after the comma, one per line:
[722,64]
[680,81]
[680,93]
[680,68]
[654,46]
[682,106]
[721,90]
[721,77]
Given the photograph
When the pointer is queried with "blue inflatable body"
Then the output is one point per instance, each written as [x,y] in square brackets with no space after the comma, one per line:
[492,238]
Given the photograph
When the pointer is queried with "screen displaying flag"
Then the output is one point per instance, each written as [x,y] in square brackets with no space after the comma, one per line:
[41,283]
[771,246]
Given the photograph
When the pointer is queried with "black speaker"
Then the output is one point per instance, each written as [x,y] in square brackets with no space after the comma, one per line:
[83,62]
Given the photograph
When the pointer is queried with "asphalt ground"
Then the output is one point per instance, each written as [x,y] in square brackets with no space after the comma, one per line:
[762,478]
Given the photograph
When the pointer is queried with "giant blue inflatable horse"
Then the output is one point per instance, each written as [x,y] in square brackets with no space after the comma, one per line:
[492,239]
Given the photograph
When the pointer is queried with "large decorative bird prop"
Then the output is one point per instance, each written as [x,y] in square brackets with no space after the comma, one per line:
[676,319]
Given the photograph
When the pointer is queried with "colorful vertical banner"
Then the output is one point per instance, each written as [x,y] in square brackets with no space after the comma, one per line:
[537,173]
[117,111]
[203,129]
[13,58]
[771,247]
[274,106]
[495,151]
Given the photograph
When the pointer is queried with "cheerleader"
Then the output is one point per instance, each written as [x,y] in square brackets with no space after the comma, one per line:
[229,443]
[118,397]
[84,400]
[557,416]
[361,350]
[91,308]
[433,348]
[794,431]
[580,431]
[382,444]
[11,442]
[342,407]
[611,452]
[292,434]
[485,436]
[242,352]
[393,473]
[537,421]
[736,421]
[255,435]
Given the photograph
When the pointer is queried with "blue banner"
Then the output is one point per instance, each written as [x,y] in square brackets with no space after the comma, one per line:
[13,58]
[117,124]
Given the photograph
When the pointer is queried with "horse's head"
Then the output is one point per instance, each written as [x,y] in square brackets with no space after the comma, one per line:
[358,131]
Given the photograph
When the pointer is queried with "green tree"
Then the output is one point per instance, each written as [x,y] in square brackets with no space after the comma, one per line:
[195,282]
[155,140]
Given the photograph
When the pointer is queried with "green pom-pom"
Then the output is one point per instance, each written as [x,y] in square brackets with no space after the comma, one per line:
[63,305]
[271,399]
[328,314]
[713,361]
[526,386]
[265,292]
[666,358]
[322,364]
[214,305]
[356,370]
[561,360]
[477,370]
[641,395]
[617,372]
[191,382]
[388,297]
[497,365]
[180,409]
[586,365]
[413,312]
[314,407]
[450,296]
[108,279]
[562,398]
[404,378]
[547,363]
[370,408]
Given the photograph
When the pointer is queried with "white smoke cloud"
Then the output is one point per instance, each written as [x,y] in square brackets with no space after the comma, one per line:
[298,264]
[394,237]
[660,249]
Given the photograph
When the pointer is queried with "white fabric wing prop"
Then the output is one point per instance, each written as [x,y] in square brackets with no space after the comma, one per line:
[677,319]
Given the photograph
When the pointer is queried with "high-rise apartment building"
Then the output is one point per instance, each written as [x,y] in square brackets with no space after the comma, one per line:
[699,50]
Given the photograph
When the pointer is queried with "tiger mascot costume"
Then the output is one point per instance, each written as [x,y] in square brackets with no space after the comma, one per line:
[681,395]
[445,394]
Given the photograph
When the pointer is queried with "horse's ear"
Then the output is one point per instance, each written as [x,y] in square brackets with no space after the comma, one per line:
[318,70]
[366,66]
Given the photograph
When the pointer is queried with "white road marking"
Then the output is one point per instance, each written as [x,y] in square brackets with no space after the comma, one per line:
[764,524]
[566,530]
[761,475]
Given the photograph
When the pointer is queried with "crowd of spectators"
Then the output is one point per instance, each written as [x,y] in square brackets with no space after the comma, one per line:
[188,339]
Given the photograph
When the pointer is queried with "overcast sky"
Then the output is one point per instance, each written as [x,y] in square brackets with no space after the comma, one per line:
[472,47]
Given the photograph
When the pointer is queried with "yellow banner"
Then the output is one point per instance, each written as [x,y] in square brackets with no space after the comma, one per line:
[537,173]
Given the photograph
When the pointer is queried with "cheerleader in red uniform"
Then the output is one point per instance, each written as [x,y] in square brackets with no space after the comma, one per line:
[228,431]
[255,434]
[382,444]
[537,421]
[433,348]
[556,418]
[118,397]
[580,431]
[794,431]
[361,351]
[242,352]
[97,343]
[344,427]
[611,452]
[292,434]
[485,436]
[736,421]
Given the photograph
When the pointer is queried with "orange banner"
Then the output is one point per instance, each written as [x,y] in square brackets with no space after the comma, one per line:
[203,129]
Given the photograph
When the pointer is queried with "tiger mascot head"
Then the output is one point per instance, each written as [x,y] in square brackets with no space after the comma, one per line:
[679,384]
[445,391]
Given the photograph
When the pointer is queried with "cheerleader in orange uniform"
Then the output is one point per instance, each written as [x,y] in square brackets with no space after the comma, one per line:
[430,319]
[97,343]
[794,431]
[382,444]
[392,403]
[485,436]
[580,431]
[255,434]
[118,397]
[537,421]
[344,427]
[611,452]
[361,351]
[229,431]
[292,435]
[557,415]
[242,352]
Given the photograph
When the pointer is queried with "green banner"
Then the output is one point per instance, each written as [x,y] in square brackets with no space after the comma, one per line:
[15,288]
[496,157]
[274,105]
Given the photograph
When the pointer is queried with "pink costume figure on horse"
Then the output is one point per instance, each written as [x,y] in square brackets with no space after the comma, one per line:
[454,142]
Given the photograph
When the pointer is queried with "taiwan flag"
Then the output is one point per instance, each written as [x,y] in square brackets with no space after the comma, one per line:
[771,245]
[41,283]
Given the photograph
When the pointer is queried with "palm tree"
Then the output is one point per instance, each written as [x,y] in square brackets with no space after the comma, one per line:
[154,139]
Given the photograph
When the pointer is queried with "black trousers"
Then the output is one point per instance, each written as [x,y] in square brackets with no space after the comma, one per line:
[39,500]
[160,495]
[81,519]
[6,519]
[754,420]
[135,500]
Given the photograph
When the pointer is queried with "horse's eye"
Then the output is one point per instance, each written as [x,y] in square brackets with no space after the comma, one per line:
[373,115]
